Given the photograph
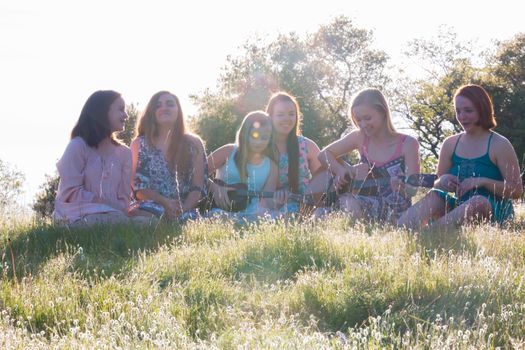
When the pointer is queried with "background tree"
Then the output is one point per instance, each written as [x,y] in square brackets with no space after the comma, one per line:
[323,70]
[426,103]
[44,202]
[129,127]
[11,187]
[427,106]
[505,81]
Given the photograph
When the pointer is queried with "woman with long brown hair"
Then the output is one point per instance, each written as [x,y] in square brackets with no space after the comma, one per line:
[169,162]
[296,155]
[95,170]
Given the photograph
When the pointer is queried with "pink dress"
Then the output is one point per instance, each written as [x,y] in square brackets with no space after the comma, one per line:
[86,178]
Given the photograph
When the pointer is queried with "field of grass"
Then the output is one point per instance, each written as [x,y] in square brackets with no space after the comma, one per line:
[274,285]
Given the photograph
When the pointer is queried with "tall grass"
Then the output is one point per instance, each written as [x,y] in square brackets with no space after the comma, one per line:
[213,284]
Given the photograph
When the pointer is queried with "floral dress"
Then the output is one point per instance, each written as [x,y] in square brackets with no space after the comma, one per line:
[153,173]
[304,173]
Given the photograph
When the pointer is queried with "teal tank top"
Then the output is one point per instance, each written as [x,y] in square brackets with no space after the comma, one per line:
[257,176]
[482,166]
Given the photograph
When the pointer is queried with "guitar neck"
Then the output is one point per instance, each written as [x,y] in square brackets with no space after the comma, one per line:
[359,184]
[419,180]
[266,194]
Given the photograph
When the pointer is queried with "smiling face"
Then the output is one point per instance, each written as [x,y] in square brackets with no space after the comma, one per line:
[167,110]
[368,119]
[284,117]
[117,115]
[466,113]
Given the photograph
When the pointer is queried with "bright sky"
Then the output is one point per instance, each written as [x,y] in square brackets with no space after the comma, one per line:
[54,54]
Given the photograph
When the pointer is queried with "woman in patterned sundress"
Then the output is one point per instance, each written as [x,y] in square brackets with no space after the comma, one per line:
[384,153]
[169,163]
[295,154]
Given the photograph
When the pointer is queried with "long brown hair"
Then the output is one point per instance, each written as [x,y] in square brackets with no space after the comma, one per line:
[292,143]
[242,139]
[178,155]
[93,122]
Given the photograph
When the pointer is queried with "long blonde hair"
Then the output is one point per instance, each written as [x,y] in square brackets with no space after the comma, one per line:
[374,98]
[243,138]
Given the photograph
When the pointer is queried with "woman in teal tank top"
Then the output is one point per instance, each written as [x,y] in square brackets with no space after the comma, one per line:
[256,177]
[472,185]
[246,161]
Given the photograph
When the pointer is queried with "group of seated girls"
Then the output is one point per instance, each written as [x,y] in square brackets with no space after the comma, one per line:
[271,167]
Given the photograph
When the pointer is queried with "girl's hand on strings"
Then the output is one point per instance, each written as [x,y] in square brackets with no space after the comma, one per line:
[220,195]
[447,182]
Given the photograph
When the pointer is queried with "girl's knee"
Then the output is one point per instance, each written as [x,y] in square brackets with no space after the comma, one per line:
[480,203]
[479,206]
[350,204]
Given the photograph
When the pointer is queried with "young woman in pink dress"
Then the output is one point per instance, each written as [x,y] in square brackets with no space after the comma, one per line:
[95,169]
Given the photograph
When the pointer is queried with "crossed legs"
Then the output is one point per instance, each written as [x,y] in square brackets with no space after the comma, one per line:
[433,207]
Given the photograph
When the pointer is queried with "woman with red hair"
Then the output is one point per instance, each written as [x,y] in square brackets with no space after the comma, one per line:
[478,170]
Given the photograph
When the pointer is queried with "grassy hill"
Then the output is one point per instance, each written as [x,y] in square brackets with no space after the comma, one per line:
[276,285]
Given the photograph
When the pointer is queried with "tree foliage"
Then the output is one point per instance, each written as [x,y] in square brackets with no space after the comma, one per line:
[129,127]
[426,103]
[11,186]
[506,83]
[323,70]
[44,203]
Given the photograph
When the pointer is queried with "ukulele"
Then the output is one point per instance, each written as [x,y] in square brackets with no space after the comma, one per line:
[323,193]
[320,191]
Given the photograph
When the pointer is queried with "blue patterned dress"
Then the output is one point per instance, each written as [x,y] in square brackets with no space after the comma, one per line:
[153,173]
[304,173]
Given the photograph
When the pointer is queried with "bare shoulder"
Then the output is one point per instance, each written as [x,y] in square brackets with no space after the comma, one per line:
[195,141]
[501,145]
[226,149]
[410,145]
[410,142]
[499,140]
[311,145]
[450,142]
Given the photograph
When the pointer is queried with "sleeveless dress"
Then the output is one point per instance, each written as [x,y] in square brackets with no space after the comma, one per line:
[304,173]
[257,175]
[483,166]
[153,173]
[383,204]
